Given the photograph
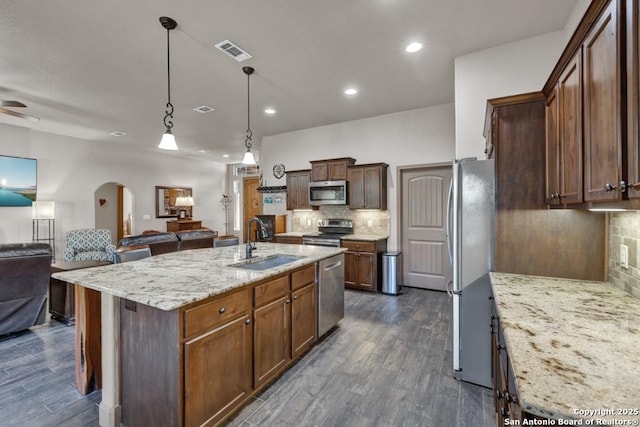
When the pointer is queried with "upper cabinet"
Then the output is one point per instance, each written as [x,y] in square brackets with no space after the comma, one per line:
[586,153]
[633,98]
[602,116]
[298,189]
[368,186]
[331,170]
[564,137]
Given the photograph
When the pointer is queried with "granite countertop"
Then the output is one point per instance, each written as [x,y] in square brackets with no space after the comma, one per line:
[574,345]
[290,234]
[172,280]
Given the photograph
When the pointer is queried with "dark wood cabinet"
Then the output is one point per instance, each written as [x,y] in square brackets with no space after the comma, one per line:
[271,331]
[304,309]
[368,186]
[199,363]
[552,149]
[214,381]
[570,142]
[291,240]
[298,189]
[602,115]
[362,264]
[331,169]
[183,224]
[519,156]
[633,98]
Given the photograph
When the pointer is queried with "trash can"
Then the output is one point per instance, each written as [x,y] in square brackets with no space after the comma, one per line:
[391,273]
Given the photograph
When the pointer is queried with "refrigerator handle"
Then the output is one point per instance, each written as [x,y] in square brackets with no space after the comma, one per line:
[449,222]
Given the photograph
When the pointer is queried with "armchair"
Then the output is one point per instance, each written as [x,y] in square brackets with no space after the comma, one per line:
[89,244]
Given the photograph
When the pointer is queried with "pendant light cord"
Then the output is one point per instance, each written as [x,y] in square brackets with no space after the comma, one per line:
[247,141]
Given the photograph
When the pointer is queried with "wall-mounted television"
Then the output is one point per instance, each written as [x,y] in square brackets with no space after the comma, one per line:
[18,180]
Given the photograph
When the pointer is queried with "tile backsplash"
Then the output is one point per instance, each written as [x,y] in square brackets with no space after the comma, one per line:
[624,229]
[364,222]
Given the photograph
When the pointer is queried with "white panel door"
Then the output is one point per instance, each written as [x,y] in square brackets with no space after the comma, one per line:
[424,237]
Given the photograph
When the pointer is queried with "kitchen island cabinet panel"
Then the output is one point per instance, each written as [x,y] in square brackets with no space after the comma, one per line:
[214,381]
[304,306]
[271,339]
[150,349]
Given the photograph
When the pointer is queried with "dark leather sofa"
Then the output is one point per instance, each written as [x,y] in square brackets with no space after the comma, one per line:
[161,243]
[196,239]
[25,270]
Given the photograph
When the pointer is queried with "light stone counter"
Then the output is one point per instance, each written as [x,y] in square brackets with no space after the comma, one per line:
[172,280]
[573,345]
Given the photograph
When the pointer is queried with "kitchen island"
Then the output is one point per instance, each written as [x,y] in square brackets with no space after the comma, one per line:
[572,351]
[186,336]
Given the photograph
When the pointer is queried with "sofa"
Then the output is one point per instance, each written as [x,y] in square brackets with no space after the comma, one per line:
[25,270]
[89,244]
[161,243]
[196,239]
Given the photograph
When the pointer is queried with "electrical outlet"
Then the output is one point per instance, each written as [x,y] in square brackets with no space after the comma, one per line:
[308,222]
[624,256]
[146,216]
[370,223]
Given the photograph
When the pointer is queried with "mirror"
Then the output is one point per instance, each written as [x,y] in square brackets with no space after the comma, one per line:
[166,201]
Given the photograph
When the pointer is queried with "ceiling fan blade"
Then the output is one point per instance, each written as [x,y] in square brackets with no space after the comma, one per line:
[12,104]
[22,116]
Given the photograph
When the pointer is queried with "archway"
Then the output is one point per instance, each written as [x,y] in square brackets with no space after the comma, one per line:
[114,209]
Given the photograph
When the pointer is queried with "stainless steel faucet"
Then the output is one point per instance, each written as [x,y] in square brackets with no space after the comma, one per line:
[262,232]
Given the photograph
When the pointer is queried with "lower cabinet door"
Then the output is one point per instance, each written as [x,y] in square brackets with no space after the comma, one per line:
[304,309]
[271,329]
[217,372]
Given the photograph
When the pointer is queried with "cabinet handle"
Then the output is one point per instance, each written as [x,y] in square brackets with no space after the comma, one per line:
[554,195]
[222,310]
[608,187]
[499,394]
[295,297]
[624,185]
[287,301]
[248,321]
[504,412]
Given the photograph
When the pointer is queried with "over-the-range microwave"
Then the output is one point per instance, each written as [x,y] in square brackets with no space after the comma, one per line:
[328,193]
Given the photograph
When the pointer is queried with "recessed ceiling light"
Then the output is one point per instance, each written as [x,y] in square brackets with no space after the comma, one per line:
[203,109]
[117,133]
[351,91]
[269,110]
[226,156]
[413,47]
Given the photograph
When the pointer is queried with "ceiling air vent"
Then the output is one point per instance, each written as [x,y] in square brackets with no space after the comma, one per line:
[233,51]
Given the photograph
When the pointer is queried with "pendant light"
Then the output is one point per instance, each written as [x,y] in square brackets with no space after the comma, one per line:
[248,156]
[168,141]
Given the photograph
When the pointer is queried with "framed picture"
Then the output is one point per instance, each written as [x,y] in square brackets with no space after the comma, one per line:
[18,180]
[166,201]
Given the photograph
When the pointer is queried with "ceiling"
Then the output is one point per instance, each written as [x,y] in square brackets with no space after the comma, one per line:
[90,68]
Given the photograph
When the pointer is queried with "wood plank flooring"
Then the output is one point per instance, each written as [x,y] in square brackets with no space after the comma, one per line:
[388,364]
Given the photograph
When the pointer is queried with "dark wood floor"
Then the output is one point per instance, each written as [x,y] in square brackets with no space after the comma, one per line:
[388,364]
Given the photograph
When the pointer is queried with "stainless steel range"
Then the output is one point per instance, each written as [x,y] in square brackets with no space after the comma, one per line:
[330,231]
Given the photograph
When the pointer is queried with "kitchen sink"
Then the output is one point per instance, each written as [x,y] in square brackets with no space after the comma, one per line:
[259,264]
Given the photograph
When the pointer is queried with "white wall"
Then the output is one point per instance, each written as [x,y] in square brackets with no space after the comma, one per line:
[421,136]
[505,70]
[70,170]
[510,69]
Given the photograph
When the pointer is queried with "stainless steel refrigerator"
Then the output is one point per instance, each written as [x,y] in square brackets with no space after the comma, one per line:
[470,233]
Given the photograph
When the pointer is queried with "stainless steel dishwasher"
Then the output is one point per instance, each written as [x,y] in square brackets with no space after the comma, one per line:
[330,293]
